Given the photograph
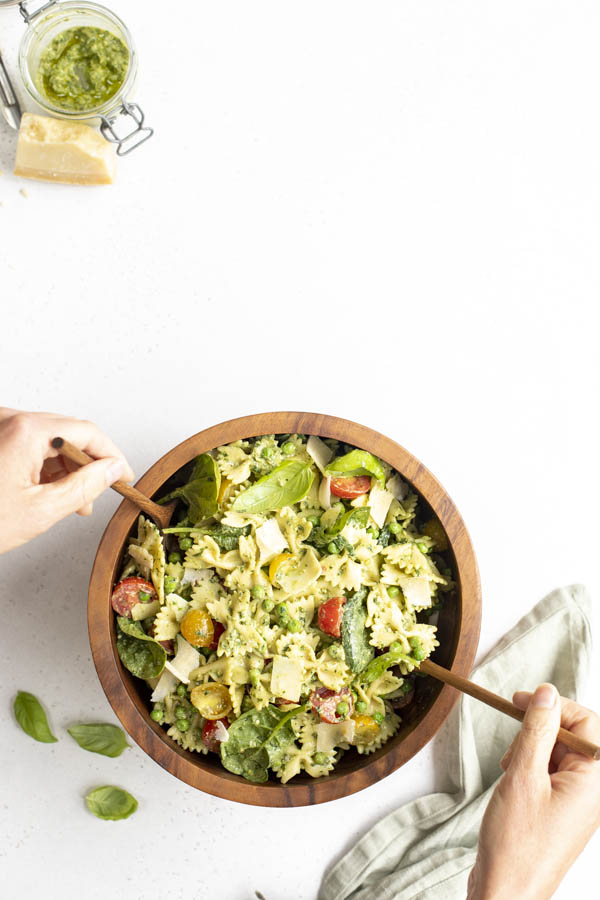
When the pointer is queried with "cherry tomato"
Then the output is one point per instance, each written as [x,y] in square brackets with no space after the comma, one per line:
[218,631]
[212,700]
[366,729]
[126,595]
[198,628]
[351,486]
[209,734]
[325,702]
[330,616]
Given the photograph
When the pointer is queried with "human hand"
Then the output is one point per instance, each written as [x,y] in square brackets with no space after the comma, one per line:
[38,487]
[544,809]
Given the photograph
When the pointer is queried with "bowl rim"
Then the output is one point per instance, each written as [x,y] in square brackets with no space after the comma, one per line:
[125,700]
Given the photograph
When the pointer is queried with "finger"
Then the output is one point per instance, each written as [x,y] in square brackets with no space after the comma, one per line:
[537,737]
[75,491]
[88,437]
[505,761]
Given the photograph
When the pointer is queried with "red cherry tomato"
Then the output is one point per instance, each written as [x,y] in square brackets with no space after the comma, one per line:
[209,733]
[350,487]
[325,703]
[330,616]
[126,595]
[218,631]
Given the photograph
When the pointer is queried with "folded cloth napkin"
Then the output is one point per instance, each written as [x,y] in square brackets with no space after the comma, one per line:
[426,849]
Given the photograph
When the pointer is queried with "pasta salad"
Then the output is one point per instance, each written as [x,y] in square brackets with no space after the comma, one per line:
[281,620]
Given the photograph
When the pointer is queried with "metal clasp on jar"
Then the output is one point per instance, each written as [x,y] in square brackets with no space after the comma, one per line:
[27,15]
[132,139]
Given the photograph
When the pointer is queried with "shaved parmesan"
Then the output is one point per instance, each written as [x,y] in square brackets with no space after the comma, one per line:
[166,685]
[416,590]
[325,492]
[185,660]
[319,451]
[221,734]
[177,605]
[379,501]
[191,576]
[286,678]
[144,610]
[398,487]
[330,736]
[270,541]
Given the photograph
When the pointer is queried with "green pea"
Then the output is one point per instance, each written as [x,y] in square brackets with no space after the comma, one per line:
[393,591]
[258,592]
[342,709]
[336,651]
[394,527]
[267,452]
[268,604]
[320,759]
[422,547]
[170,584]
[157,715]
[374,532]
[395,647]
[414,642]
[183,724]
[314,521]
[185,543]
[282,614]
[361,707]
[419,654]
[180,712]
[175,557]
[332,548]
[143,596]
[378,717]
[288,448]
[254,676]
[181,690]
[294,626]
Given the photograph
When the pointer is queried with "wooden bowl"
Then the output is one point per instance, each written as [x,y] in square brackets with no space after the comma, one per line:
[458,626]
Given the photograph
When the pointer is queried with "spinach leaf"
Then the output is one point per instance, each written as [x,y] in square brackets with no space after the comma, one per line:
[384,537]
[32,718]
[357,462]
[109,740]
[226,536]
[141,654]
[321,541]
[201,491]
[378,666]
[258,740]
[355,637]
[111,803]
[283,486]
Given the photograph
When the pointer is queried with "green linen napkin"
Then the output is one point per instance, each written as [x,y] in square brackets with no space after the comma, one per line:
[426,849]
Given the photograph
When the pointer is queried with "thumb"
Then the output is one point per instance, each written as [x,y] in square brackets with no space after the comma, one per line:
[538,733]
[76,491]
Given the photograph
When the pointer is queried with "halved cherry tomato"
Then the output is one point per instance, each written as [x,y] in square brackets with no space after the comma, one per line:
[351,486]
[198,628]
[126,595]
[212,700]
[330,616]
[218,631]
[366,729]
[209,734]
[325,703]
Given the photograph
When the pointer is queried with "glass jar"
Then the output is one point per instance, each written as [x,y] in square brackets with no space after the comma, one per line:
[43,26]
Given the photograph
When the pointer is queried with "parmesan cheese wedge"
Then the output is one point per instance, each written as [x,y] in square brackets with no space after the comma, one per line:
[379,501]
[397,487]
[185,660]
[330,736]
[286,678]
[166,685]
[325,492]
[67,152]
[270,541]
[319,451]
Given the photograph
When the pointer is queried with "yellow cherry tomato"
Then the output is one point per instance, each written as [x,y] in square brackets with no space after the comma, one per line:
[366,729]
[275,563]
[212,700]
[434,530]
[198,628]
[225,483]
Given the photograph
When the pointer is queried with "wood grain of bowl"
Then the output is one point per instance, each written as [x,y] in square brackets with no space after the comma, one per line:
[458,626]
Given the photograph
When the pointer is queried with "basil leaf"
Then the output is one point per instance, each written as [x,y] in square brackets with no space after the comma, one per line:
[226,536]
[283,486]
[111,803]
[32,718]
[109,740]
[384,537]
[359,516]
[257,740]
[201,491]
[139,653]
[355,635]
[357,462]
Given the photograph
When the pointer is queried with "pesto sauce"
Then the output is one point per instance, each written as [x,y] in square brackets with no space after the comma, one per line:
[82,68]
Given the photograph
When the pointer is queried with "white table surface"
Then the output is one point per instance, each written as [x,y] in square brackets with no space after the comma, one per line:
[387,212]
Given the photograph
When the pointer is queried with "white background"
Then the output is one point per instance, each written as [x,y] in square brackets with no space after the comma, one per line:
[385,211]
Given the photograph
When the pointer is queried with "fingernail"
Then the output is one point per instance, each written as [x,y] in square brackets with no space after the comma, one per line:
[545,696]
[114,471]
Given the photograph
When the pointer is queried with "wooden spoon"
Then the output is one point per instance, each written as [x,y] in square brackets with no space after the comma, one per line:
[160,514]
[570,740]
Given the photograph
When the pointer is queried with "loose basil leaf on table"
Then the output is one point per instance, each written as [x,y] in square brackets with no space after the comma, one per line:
[355,635]
[357,462]
[32,718]
[258,740]
[284,485]
[139,653]
[201,491]
[98,737]
[111,803]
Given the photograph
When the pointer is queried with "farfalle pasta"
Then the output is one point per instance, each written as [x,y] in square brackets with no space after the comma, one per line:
[280,621]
